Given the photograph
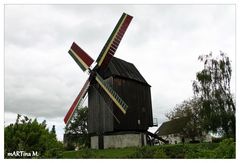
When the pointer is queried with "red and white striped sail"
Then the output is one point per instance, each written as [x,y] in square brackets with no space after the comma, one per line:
[76,102]
[111,45]
[85,61]
[80,56]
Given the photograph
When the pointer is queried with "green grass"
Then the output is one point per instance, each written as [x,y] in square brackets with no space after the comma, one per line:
[225,149]
[106,153]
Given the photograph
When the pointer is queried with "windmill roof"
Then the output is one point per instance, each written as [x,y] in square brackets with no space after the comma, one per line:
[172,127]
[121,68]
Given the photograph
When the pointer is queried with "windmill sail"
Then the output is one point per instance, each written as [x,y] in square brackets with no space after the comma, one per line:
[112,43]
[80,56]
[112,94]
[85,61]
[77,102]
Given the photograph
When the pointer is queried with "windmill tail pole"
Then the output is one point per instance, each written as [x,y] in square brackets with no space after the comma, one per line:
[157,137]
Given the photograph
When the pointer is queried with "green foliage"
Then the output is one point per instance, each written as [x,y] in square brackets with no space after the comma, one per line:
[53,131]
[203,150]
[143,152]
[175,151]
[77,129]
[160,153]
[149,152]
[27,135]
[188,108]
[199,153]
[86,153]
[225,149]
[69,146]
[212,87]
[106,153]
[114,153]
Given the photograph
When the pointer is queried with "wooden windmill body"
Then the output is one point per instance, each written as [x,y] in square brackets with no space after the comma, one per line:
[119,98]
[105,118]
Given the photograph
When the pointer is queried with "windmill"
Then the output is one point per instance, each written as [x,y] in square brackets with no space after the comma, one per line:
[109,114]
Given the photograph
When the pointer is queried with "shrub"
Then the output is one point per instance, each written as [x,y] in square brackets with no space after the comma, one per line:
[199,152]
[226,149]
[143,152]
[159,153]
[86,153]
[175,151]
[149,152]
[30,136]
[69,147]
[203,150]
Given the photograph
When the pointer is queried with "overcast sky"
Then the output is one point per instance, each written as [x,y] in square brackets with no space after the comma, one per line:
[162,41]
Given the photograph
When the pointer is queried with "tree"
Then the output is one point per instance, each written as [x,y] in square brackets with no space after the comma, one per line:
[27,135]
[212,87]
[53,131]
[188,108]
[77,128]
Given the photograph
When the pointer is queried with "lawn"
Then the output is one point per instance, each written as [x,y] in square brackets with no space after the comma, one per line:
[106,153]
[225,149]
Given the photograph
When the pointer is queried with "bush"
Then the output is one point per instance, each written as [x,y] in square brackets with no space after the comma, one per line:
[149,152]
[30,136]
[143,152]
[226,149]
[159,153]
[54,153]
[175,151]
[69,147]
[198,152]
[86,153]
